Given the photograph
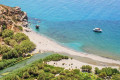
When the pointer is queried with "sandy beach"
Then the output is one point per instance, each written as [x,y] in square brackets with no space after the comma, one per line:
[74,64]
[44,44]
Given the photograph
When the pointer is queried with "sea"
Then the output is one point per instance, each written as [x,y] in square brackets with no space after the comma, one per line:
[71,23]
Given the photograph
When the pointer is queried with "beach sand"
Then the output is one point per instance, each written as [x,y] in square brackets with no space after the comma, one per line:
[74,64]
[44,44]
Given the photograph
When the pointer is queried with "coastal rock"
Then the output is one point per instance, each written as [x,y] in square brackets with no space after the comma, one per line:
[12,17]
[25,19]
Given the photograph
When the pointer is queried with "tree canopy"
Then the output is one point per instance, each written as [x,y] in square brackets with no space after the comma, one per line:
[4,49]
[7,33]
[27,46]
[20,37]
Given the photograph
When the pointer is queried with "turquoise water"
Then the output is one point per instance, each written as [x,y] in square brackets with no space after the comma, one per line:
[70,22]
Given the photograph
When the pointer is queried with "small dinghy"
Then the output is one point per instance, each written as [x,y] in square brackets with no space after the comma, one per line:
[37,26]
[97,30]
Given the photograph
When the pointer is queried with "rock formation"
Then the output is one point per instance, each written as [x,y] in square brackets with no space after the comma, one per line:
[12,18]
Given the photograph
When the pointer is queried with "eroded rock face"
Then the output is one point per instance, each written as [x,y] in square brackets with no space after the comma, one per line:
[25,20]
[12,16]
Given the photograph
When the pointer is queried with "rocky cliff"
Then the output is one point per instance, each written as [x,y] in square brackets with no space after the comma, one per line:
[12,18]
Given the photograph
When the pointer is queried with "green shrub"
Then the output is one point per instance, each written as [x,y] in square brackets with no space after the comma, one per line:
[98,78]
[36,72]
[69,74]
[30,70]
[116,77]
[20,28]
[47,69]
[19,49]
[20,37]
[12,43]
[86,68]
[7,33]
[4,27]
[61,77]
[4,49]
[64,72]
[41,76]
[55,57]
[97,71]
[103,75]
[9,62]
[26,75]
[27,46]
[49,76]
[83,68]
[33,71]
[108,71]
[24,47]
[40,66]
[11,54]
[76,71]
[2,65]
[13,77]
[53,71]
[7,40]
[115,71]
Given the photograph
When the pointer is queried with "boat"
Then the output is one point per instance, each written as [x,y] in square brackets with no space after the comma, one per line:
[37,26]
[97,30]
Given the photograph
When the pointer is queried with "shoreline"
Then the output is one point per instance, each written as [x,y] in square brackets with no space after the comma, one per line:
[44,44]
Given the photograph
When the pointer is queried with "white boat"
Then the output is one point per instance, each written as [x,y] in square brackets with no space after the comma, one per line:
[97,30]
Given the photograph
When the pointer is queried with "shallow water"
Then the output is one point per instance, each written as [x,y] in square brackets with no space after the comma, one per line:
[78,35]
[70,22]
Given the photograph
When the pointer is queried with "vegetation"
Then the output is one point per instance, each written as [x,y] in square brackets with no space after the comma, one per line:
[12,43]
[107,73]
[97,71]
[103,75]
[86,68]
[9,62]
[116,77]
[41,71]
[27,46]
[15,47]
[19,27]
[4,49]
[55,57]
[7,33]
[4,27]
[11,54]
[20,37]
[7,40]
[19,45]
[18,50]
